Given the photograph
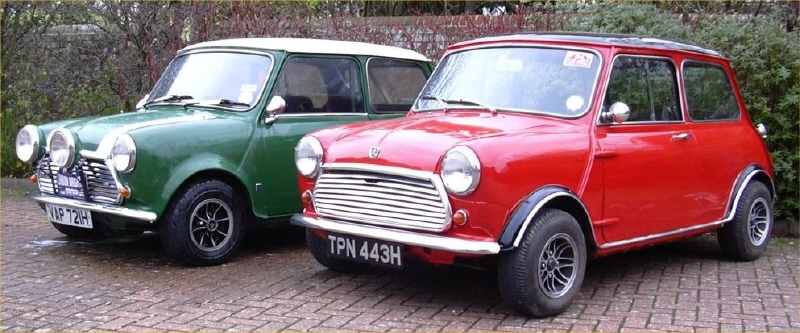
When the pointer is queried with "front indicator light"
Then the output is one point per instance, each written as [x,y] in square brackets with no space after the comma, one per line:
[34,179]
[460,217]
[125,192]
[306,197]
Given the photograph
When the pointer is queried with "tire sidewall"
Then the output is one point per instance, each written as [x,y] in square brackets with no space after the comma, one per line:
[734,236]
[520,267]
[174,229]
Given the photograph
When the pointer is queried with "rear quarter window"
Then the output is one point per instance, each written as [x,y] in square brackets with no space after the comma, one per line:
[709,93]
[394,84]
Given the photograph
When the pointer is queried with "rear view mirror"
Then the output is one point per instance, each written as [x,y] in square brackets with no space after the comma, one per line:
[275,106]
[140,103]
[620,112]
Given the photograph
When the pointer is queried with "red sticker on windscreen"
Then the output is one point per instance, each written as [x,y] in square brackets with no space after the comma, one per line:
[578,59]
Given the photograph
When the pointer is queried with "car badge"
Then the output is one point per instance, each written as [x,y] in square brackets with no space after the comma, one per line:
[374,151]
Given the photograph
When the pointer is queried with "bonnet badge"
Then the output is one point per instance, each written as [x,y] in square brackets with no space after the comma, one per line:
[374,151]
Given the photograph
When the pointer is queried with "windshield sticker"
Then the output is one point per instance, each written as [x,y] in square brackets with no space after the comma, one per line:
[578,59]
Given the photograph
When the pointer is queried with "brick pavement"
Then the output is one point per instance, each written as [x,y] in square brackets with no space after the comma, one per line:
[52,284]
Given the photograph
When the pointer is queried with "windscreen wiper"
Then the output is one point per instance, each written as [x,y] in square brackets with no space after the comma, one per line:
[227,102]
[435,98]
[447,102]
[468,102]
[167,98]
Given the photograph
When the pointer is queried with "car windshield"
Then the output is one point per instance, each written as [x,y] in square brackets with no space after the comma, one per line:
[222,79]
[539,80]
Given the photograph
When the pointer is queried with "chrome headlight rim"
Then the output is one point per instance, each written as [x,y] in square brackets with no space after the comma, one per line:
[473,163]
[69,139]
[130,146]
[35,136]
[309,149]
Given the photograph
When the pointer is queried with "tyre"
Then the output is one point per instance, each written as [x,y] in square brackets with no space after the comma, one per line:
[542,276]
[745,237]
[319,251]
[78,233]
[204,225]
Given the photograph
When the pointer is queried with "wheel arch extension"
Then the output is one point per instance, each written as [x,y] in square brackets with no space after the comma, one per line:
[550,196]
[750,174]
[223,176]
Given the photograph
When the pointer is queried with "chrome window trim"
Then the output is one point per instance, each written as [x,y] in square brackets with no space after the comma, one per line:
[526,45]
[678,83]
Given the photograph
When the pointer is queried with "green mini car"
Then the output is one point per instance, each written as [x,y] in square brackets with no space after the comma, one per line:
[209,152]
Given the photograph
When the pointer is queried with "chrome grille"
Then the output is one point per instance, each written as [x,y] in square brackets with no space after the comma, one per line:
[100,184]
[382,198]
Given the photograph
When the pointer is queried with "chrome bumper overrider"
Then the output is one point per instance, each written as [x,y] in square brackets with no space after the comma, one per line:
[399,236]
[95,207]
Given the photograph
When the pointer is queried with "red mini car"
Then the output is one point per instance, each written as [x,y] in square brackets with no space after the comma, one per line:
[544,150]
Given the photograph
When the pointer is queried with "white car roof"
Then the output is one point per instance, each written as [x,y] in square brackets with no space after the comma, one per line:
[309,45]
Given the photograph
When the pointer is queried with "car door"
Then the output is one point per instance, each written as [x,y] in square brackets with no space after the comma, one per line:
[648,160]
[715,116]
[320,91]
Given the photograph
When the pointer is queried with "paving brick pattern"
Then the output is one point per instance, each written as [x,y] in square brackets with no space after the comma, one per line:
[52,284]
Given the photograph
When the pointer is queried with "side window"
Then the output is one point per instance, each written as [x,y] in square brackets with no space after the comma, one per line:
[315,84]
[709,93]
[648,86]
[394,84]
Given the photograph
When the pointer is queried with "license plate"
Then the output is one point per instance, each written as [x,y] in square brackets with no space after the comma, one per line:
[75,217]
[365,250]
[70,185]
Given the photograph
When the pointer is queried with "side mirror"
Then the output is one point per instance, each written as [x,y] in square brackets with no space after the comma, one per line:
[619,112]
[275,106]
[140,103]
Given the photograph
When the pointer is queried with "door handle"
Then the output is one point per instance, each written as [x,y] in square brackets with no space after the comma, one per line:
[682,136]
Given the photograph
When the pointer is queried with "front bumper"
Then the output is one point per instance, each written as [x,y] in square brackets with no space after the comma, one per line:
[434,242]
[95,207]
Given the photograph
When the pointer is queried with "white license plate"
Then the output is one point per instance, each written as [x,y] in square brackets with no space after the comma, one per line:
[75,217]
[365,250]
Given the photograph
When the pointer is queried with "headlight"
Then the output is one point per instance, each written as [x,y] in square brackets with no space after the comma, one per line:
[28,143]
[308,156]
[461,171]
[123,155]
[62,147]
